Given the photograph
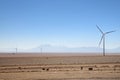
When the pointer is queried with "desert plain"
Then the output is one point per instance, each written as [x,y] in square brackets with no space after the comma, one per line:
[30,66]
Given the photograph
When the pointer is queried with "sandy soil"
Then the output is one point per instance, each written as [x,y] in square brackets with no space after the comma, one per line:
[53,67]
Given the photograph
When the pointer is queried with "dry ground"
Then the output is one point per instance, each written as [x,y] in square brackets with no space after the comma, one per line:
[52,67]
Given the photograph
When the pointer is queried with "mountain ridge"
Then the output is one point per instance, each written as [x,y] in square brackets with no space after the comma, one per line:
[51,48]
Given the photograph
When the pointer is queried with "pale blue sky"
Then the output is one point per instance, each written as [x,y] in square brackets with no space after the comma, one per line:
[31,23]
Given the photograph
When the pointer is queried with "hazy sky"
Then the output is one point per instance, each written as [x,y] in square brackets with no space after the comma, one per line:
[31,23]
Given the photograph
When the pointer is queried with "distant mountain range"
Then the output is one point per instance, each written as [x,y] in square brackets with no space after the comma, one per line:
[50,48]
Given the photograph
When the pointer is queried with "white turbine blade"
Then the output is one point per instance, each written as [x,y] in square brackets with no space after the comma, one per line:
[100,29]
[109,32]
[101,40]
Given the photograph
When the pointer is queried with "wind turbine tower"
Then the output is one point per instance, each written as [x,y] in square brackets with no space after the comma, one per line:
[41,50]
[16,50]
[103,38]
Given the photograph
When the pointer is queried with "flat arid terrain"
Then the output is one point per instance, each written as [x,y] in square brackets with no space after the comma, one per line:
[26,66]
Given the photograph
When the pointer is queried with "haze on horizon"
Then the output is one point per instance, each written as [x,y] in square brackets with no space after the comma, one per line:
[28,24]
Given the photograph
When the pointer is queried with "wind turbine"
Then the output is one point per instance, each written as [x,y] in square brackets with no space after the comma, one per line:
[41,49]
[103,38]
[16,50]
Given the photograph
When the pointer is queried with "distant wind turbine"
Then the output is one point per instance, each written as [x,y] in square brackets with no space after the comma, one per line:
[15,50]
[103,38]
[41,50]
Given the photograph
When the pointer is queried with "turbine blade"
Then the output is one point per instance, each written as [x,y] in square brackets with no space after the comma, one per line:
[109,32]
[101,40]
[99,29]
